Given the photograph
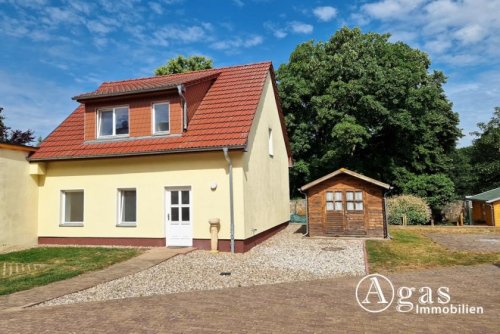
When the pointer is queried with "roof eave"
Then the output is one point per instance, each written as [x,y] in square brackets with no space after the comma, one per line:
[83,99]
[137,154]
[348,172]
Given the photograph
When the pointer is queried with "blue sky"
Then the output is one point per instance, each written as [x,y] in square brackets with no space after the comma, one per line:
[53,50]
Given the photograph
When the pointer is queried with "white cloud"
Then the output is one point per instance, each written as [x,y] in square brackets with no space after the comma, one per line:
[474,99]
[438,45]
[277,31]
[98,27]
[325,13]
[389,9]
[239,3]
[470,34]
[403,36]
[156,7]
[295,27]
[466,30]
[57,16]
[237,43]
[280,33]
[301,28]
[32,103]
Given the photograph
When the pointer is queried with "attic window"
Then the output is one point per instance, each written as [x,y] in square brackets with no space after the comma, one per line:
[112,122]
[161,118]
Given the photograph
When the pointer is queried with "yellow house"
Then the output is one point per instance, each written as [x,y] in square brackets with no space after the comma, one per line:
[18,218]
[485,208]
[150,161]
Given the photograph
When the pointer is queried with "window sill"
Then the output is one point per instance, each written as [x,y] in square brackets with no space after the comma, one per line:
[161,133]
[126,225]
[104,138]
[71,225]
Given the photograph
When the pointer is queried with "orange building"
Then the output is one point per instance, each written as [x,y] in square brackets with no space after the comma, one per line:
[485,207]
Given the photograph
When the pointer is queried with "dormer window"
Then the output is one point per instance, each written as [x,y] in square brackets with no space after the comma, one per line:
[112,122]
[161,118]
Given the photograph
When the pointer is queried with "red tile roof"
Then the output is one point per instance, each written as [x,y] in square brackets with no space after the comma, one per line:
[158,83]
[223,119]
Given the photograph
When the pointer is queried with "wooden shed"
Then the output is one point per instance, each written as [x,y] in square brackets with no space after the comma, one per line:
[484,208]
[345,203]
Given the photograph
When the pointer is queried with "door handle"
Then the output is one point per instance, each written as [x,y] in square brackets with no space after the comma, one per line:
[168,216]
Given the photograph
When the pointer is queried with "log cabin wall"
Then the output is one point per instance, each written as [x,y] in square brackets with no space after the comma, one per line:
[367,222]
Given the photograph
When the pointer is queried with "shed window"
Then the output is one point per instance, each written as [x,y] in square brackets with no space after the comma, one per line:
[354,200]
[334,201]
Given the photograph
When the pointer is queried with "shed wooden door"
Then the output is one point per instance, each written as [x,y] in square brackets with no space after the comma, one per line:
[355,212]
[345,213]
[334,217]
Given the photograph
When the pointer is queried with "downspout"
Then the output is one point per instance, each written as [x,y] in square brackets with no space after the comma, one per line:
[307,214]
[181,89]
[231,200]
[386,227]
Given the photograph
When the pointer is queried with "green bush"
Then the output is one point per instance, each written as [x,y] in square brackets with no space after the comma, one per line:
[415,208]
[437,189]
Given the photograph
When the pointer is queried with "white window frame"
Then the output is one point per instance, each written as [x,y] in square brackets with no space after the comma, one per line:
[355,201]
[119,206]
[153,118]
[62,221]
[271,142]
[113,109]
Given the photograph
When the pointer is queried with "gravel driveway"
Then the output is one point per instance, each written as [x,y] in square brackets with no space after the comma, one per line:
[285,257]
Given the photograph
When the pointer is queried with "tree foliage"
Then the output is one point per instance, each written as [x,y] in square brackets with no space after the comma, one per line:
[436,189]
[485,154]
[9,136]
[476,168]
[360,101]
[182,64]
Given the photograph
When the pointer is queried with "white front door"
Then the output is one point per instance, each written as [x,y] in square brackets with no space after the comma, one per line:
[179,229]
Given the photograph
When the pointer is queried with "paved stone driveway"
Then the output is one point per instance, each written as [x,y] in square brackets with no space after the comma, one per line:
[468,242]
[322,306]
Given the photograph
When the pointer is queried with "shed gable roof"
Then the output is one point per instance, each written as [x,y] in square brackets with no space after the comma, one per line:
[223,118]
[489,196]
[348,172]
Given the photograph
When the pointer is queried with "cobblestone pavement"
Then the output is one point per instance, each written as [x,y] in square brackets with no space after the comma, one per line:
[321,306]
[468,242]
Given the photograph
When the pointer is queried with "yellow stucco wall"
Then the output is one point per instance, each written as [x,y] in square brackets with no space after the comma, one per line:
[100,179]
[18,200]
[266,187]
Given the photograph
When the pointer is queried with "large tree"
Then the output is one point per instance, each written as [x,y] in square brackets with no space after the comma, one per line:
[182,64]
[360,101]
[485,154]
[9,136]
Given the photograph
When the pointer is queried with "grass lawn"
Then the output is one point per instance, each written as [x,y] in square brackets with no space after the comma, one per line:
[411,249]
[39,266]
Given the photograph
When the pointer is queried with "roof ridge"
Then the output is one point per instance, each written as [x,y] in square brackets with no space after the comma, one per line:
[189,72]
